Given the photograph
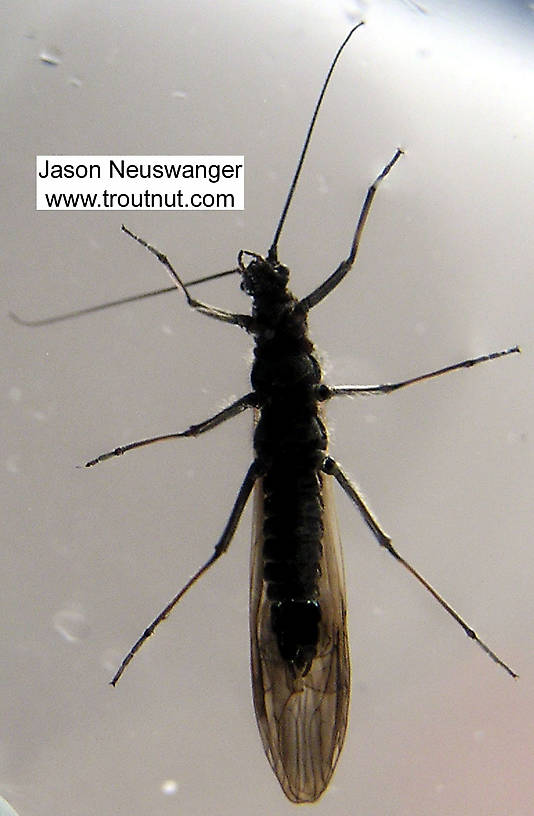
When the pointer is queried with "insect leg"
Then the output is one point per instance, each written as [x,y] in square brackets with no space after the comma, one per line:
[337,276]
[333,469]
[248,401]
[220,548]
[326,392]
[242,320]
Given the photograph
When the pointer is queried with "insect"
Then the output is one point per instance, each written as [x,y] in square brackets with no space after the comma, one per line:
[299,645]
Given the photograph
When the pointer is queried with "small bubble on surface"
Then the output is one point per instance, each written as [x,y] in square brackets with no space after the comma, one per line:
[50,56]
[169,787]
[71,624]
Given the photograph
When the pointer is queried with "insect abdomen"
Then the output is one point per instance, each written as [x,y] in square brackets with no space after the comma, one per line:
[291,555]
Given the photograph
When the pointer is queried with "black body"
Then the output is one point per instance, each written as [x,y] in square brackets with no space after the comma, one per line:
[290,442]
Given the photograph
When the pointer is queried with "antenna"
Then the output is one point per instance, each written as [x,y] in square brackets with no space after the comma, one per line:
[46,321]
[273,252]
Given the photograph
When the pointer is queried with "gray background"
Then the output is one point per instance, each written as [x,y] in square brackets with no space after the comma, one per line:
[445,272]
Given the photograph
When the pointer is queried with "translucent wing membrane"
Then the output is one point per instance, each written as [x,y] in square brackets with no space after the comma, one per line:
[302,720]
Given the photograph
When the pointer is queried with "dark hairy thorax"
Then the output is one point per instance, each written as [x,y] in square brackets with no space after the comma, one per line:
[290,442]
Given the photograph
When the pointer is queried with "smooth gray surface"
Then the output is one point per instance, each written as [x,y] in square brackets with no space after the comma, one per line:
[445,272]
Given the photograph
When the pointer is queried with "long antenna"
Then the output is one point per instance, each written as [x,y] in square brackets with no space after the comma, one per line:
[46,321]
[273,252]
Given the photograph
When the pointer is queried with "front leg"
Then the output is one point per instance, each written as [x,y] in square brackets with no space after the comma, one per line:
[337,276]
[242,320]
